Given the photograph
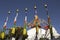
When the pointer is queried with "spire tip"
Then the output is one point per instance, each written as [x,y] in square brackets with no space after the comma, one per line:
[17,10]
[45,5]
[35,7]
[26,9]
[9,12]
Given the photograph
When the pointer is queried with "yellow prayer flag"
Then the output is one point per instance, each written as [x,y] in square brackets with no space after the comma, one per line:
[2,35]
[13,31]
[24,31]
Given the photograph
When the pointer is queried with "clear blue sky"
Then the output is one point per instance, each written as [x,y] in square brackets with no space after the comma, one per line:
[12,5]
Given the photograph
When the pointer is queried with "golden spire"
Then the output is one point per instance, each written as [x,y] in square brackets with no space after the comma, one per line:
[36,16]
